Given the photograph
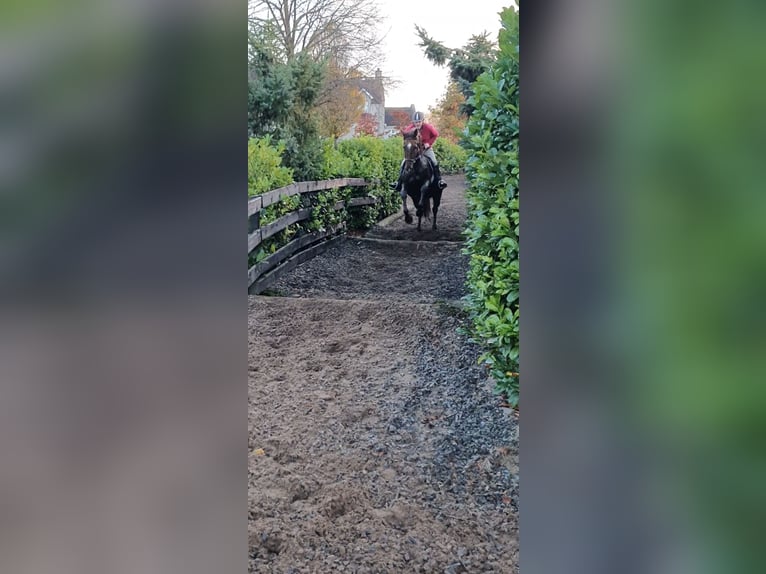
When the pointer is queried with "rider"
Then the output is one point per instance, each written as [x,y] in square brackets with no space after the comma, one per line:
[428,135]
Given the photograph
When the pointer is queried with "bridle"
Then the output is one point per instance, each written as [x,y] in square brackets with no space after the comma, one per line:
[408,143]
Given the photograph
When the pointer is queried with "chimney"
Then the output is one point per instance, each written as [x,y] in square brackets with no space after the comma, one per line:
[378,74]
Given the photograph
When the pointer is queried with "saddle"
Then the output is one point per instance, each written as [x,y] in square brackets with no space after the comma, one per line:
[436,184]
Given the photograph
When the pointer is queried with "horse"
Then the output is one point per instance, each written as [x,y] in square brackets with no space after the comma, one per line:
[418,180]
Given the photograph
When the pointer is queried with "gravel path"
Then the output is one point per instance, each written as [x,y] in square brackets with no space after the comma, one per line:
[376,444]
[450,219]
[373,269]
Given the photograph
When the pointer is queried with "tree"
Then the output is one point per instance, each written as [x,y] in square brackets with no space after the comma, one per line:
[339,37]
[263,38]
[448,116]
[270,92]
[281,100]
[340,104]
[401,119]
[465,64]
[368,125]
[344,31]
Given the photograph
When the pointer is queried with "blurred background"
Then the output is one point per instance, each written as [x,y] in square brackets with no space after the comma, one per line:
[643,266]
[123,356]
[123,314]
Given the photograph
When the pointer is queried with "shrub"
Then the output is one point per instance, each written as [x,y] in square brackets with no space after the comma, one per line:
[323,213]
[264,166]
[373,159]
[364,157]
[451,156]
[492,229]
[367,156]
[334,163]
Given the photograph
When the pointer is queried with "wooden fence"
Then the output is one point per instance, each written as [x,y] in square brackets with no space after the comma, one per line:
[264,273]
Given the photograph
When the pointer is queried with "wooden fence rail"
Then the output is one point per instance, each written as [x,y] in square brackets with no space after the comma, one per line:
[264,273]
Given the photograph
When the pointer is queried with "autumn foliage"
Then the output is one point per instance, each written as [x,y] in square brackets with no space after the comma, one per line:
[367,125]
[340,103]
[447,115]
[400,119]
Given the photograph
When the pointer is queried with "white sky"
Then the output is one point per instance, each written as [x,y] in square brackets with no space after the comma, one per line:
[450,22]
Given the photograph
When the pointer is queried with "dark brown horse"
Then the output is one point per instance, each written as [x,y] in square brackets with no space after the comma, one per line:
[418,180]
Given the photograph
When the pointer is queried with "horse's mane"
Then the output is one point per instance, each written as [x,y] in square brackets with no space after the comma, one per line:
[412,134]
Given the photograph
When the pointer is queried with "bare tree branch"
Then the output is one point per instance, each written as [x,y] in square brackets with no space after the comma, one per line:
[345,31]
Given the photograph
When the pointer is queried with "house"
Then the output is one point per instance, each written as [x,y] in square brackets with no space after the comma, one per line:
[387,121]
[397,118]
[374,99]
[374,104]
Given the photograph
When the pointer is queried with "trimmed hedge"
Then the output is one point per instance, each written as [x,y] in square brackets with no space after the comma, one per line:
[376,159]
[492,231]
[366,157]
[264,166]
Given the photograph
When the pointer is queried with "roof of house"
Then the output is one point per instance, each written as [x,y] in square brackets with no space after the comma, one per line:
[394,116]
[374,87]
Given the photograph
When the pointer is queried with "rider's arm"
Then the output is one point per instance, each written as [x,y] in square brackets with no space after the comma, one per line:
[433,135]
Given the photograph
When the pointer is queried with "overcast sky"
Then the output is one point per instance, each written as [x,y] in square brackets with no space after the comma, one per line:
[452,23]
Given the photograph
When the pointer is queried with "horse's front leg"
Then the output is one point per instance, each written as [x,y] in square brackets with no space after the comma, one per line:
[407,216]
[419,213]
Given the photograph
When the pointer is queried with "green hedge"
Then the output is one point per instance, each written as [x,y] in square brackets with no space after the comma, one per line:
[492,229]
[374,159]
[366,157]
[451,157]
[264,166]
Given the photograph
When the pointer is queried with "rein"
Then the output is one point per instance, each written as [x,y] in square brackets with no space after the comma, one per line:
[409,162]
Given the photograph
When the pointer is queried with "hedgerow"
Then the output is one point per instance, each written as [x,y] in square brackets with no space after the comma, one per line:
[451,157]
[492,229]
[264,166]
[365,157]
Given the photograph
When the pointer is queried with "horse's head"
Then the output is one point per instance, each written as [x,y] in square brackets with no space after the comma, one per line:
[413,148]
